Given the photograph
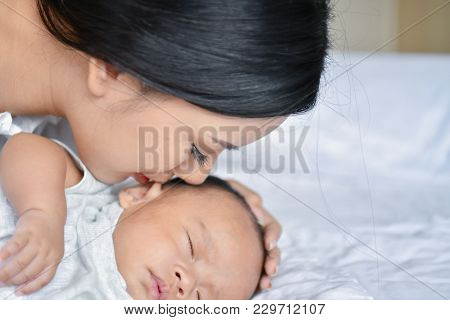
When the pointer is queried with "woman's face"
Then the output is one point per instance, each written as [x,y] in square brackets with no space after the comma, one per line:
[121,134]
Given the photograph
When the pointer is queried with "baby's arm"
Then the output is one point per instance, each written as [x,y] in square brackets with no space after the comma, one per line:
[34,172]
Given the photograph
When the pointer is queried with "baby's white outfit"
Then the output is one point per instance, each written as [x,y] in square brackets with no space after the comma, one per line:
[88,269]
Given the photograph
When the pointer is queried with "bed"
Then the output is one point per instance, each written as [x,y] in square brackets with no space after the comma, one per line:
[363,195]
[365,206]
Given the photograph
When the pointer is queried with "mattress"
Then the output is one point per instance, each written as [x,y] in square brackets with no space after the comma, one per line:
[361,183]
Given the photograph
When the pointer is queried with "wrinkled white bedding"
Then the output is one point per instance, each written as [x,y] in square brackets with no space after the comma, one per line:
[378,154]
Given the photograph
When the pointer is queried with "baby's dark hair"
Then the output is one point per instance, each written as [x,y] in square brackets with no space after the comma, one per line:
[214,181]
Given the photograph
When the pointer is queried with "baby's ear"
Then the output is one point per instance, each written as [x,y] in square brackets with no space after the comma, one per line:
[139,194]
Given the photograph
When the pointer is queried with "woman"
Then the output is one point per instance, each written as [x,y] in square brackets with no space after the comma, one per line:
[114,69]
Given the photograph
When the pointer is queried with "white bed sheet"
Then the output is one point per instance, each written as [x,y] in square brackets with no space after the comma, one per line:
[378,152]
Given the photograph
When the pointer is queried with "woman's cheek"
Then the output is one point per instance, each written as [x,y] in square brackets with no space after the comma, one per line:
[166,158]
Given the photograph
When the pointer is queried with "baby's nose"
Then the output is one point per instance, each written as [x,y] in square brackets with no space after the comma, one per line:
[185,284]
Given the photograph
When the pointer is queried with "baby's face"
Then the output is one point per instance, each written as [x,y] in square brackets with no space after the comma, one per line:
[189,243]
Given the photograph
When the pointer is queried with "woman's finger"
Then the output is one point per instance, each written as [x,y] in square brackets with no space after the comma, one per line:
[272,232]
[270,269]
[251,197]
[265,283]
[275,253]
[266,219]
[272,227]
[272,262]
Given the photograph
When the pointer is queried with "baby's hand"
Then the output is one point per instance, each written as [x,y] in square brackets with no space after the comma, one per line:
[30,258]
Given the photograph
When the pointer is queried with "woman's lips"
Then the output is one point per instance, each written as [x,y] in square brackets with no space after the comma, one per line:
[160,178]
[141,178]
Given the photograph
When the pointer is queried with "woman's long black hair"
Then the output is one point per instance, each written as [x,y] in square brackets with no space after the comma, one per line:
[246,58]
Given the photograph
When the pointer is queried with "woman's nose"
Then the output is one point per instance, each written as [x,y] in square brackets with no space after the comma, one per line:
[185,284]
[194,174]
[194,178]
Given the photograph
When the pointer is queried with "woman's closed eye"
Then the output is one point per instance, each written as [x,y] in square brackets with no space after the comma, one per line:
[198,156]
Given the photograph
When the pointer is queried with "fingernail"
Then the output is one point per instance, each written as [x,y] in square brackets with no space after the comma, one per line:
[272,244]
[275,271]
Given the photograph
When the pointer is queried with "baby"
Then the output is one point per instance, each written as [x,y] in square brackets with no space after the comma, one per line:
[175,241]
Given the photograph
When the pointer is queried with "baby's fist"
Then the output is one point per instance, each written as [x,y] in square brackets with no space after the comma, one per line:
[30,258]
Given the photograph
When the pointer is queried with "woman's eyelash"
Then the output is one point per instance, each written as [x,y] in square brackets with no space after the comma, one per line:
[198,156]
[198,296]
[190,244]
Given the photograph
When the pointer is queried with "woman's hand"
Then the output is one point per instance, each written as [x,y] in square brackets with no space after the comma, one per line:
[272,232]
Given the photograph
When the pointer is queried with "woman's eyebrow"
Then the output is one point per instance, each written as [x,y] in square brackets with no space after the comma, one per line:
[225,144]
